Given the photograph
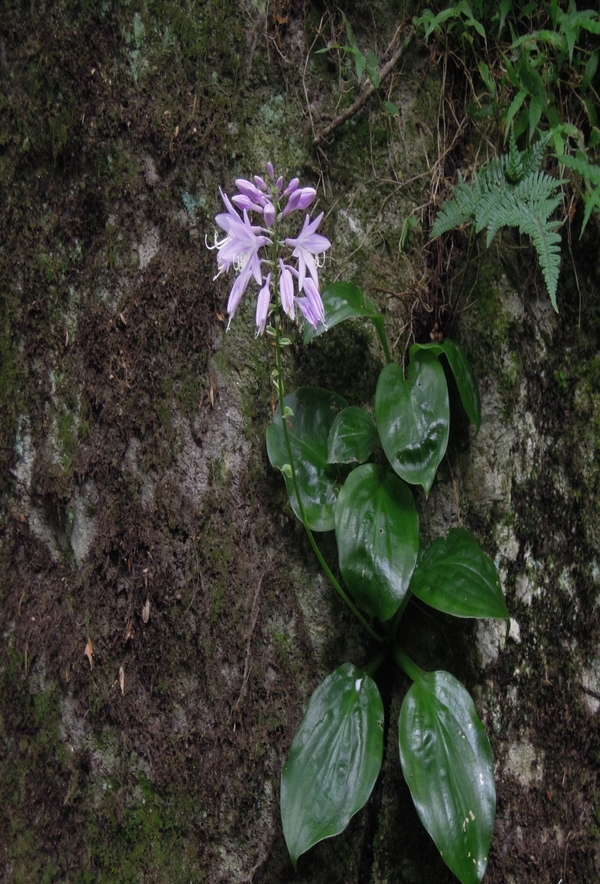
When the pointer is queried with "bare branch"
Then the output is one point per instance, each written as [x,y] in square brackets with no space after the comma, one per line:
[364,96]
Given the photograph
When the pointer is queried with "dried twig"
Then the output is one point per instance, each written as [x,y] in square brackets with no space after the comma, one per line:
[364,96]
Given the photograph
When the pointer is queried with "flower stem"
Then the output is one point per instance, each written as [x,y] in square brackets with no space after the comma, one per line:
[343,595]
[280,389]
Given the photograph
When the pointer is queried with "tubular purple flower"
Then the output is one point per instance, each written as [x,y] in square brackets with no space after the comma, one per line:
[242,241]
[244,202]
[286,289]
[240,250]
[292,204]
[250,190]
[292,186]
[314,299]
[306,246]
[262,306]
[310,310]
[237,290]
[307,195]
[269,214]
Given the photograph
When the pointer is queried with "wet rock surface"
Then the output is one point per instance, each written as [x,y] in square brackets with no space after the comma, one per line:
[162,621]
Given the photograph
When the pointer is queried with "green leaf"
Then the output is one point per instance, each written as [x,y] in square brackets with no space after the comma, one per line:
[413,418]
[392,108]
[343,300]
[334,760]
[580,164]
[377,533]
[463,375]
[359,62]
[535,113]
[455,576]
[353,436]
[372,68]
[515,107]
[591,202]
[488,79]
[447,763]
[314,412]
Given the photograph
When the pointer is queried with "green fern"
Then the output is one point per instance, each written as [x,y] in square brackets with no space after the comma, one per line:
[511,191]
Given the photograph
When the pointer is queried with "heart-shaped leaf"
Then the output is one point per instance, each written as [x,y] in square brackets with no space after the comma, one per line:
[311,414]
[463,375]
[353,436]
[447,762]
[334,760]
[342,300]
[377,533]
[454,575]
[413,417]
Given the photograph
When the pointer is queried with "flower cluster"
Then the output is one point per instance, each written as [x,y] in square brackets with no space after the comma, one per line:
[297,284]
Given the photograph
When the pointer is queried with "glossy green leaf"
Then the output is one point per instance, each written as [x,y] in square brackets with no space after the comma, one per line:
[334,760]
[454,575]
[463,375]
[343,300]
[313,412]
[447,763]
[353,436]
[377,533]
[413,417]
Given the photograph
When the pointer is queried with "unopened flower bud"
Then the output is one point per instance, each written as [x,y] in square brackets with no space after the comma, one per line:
[292,203]
[270,170]
[286,289]
[269,214]
[247,188]
[307,195]
[292,186]
[244,202]
[262,306]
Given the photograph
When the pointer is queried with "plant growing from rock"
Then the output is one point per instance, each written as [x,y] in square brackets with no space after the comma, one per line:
[511,191]
[350,472]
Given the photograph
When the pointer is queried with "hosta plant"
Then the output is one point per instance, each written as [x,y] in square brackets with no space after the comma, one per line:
[353,471]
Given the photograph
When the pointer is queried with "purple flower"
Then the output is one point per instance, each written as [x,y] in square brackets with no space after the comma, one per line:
[262,306]
[286,289]
[311,306]
[245,203]
[250,190]
[240,248]
[307,245]
[269,214]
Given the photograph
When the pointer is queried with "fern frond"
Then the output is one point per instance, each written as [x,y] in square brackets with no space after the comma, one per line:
[533,156]
[457,211]
[537,188]
[511,191]
[547,245]
[514,170]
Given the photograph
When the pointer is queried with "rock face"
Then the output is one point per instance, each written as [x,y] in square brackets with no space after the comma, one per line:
[162,619]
